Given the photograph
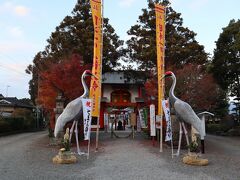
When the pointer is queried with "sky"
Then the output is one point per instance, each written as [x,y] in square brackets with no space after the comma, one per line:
[26,25]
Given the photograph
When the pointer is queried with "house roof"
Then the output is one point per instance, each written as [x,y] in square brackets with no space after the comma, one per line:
[13,101]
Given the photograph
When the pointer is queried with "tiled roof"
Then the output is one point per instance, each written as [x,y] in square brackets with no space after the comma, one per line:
[13,101]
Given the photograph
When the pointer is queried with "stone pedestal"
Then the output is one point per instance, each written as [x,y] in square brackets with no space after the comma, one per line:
[194,159]
[65,157]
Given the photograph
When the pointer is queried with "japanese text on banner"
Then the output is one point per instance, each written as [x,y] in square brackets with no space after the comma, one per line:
[87,118]
[160,40]
[152,120]
[166,110]
[95,88]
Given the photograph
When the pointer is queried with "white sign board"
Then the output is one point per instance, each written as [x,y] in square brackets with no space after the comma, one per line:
[152,120]
[166,110]
[141,117]
[87,118]
[105,119]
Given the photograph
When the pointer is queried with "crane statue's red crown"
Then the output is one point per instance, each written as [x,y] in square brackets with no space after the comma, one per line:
[168,73]
[88,72]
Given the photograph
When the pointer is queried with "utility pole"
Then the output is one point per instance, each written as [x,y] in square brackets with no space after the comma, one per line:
[7,90]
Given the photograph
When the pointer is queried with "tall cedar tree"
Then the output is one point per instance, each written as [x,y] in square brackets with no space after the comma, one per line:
[75,35]
[226,59]
[181,46]
[183,55]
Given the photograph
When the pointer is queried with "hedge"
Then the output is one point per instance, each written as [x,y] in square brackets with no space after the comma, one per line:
[16,124]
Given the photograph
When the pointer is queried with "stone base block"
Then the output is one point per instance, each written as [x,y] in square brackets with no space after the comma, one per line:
[64,159]
[194,160]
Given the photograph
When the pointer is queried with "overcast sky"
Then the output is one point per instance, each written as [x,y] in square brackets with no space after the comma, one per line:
[26,25]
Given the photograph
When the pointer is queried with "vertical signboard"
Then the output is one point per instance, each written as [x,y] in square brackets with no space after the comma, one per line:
[152,120]
[160,40]
[87,118]
[166,110]
[95,88]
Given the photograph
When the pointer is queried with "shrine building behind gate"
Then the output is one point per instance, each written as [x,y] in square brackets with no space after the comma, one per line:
[121,91]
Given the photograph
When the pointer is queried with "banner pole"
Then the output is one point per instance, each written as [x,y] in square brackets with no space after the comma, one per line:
[100,80]
[161,135]
[160,44]
[97,134]
[88,148]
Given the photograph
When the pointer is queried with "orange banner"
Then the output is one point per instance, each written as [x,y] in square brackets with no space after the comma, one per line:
[95,88]
[160,40]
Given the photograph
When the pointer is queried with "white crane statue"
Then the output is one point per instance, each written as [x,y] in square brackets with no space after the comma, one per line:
[73,111]
[184,113]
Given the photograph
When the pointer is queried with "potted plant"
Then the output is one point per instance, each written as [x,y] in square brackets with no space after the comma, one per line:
[65,152]
[193,148]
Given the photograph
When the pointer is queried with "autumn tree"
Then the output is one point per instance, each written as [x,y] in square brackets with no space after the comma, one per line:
[74,35]
[181,45]
[65,78]
[194,85]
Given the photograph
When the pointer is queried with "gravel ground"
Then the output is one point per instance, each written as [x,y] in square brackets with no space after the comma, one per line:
[28,156]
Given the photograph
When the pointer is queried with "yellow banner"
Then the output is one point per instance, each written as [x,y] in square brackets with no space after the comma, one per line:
[95,88]
[160,40]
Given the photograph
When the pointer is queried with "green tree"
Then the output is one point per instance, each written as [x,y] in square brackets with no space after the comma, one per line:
[181,46]
[226,59]
[75,35]
[183,54]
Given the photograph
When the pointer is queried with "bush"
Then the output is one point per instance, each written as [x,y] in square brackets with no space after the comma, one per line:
[4,126]
[213,128]
[15,123]
[50,133]
[217,128]
[29,123]
[27,116]
[194,147]
[234,132]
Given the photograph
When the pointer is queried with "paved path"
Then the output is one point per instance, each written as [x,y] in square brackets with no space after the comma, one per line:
[28,156]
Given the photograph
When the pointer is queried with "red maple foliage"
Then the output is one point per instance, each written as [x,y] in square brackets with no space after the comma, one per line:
[194,85]
[64,77]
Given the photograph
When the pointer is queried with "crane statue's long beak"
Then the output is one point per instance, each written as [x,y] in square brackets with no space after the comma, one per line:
[94,76]
[162,77]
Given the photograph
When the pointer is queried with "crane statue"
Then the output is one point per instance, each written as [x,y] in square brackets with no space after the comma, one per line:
[184,113]
[73,111]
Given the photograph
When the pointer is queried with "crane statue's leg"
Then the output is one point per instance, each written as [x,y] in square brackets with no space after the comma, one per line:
[71,131]
[76,134]
[185,132]
[180,139]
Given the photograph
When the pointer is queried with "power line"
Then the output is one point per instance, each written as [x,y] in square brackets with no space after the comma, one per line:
[10,57]
[13,70]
